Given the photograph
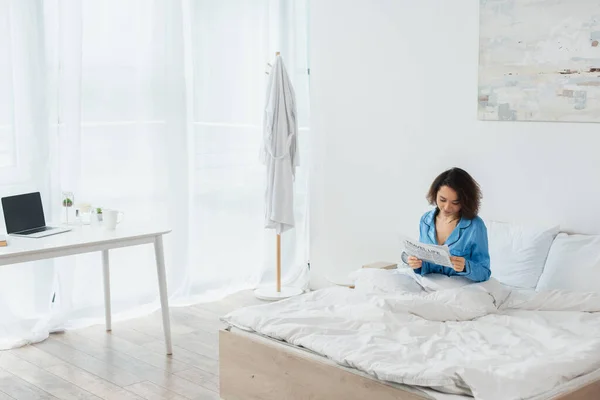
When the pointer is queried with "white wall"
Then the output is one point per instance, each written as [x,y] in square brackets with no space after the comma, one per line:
[394,103]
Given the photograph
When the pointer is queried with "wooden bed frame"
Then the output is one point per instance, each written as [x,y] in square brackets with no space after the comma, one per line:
[250,368]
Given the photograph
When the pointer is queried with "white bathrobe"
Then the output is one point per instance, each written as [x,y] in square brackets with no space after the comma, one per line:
[280,149]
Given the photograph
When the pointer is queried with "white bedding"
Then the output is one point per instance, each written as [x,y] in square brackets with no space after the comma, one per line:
[479,339]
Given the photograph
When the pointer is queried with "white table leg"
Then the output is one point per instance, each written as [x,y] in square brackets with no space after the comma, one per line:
[162,287]
[106,274]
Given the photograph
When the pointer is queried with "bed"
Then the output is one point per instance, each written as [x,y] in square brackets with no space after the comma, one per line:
[456,340]
[255,367]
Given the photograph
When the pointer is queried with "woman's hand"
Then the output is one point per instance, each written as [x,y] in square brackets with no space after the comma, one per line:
[458,263]
[414,262]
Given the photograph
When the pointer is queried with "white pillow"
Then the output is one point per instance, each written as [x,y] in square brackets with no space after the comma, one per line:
[518,252]
[573,264]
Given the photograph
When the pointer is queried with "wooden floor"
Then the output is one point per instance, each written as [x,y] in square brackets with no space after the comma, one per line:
[129,363]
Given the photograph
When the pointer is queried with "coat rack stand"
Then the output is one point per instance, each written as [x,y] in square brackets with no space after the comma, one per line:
[279,292]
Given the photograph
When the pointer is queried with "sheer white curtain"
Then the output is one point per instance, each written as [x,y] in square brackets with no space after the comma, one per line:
[232,42]
[25,289]
[152,107]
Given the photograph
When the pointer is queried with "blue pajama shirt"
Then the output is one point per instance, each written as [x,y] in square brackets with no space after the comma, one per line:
[468,239]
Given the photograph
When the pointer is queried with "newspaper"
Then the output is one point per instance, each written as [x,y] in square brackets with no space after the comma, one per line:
[434,254]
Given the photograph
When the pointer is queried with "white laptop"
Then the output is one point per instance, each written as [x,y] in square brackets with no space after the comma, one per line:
[24,216]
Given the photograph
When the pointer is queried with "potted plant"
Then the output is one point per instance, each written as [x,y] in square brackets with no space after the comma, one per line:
[99,213]
[68,199]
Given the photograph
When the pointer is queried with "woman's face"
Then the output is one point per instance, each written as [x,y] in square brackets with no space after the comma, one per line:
[447,201]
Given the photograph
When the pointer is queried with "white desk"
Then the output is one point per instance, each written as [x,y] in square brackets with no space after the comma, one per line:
[85,239]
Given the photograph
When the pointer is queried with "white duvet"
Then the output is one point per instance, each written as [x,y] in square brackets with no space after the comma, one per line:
[480,339]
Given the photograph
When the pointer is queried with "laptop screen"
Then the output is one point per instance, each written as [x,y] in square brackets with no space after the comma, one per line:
[23,212]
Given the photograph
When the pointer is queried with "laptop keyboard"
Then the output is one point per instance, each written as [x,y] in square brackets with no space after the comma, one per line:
[36,230]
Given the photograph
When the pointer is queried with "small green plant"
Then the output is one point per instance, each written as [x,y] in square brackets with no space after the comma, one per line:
[98,210]
[67,202]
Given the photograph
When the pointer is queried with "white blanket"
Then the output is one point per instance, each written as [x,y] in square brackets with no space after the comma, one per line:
[480,339]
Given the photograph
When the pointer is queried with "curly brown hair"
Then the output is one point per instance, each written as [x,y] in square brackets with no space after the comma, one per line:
[467,189]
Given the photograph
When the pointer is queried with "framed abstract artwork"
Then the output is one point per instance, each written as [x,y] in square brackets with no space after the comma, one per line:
[539,60]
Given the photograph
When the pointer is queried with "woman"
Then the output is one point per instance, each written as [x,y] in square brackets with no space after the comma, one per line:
[454,222]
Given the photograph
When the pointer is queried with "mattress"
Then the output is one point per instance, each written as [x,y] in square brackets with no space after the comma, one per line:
[425,392]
